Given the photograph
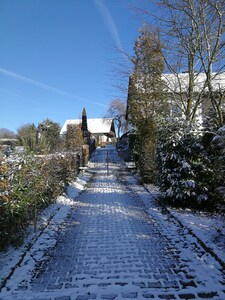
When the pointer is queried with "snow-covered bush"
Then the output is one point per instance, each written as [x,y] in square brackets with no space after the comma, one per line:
[217,158]
[211,126]
[183,170]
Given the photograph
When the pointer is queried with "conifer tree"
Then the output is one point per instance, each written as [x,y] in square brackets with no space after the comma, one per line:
[146,99]
[27,137]
[74,139]
[84,126]
[48,136]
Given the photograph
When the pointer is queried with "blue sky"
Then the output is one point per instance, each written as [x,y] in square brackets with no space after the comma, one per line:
[56,57]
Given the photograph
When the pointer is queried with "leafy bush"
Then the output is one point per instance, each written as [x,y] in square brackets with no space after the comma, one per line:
[33,183]
[184,173]
[3,180]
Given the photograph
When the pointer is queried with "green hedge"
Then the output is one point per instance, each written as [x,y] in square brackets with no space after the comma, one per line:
[29,184]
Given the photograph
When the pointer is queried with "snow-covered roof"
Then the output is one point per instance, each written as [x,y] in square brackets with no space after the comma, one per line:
[179,83]
[98,125]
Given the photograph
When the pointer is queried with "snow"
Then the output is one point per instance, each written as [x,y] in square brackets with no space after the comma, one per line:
[97,125]
[179,82]
[222,130]
[208,227]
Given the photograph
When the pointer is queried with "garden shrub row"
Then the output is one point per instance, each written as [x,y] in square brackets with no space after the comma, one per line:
[28,184]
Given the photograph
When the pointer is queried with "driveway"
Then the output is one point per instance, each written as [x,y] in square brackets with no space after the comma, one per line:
[118,243]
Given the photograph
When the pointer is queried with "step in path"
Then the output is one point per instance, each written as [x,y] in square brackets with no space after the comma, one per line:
[117,243]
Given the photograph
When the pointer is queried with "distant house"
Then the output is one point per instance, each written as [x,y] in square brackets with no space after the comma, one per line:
[101,129]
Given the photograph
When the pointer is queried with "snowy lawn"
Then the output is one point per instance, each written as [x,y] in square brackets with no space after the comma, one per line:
[39,240]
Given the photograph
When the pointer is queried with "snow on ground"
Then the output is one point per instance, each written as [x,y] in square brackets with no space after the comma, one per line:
[44,237]
[208,227]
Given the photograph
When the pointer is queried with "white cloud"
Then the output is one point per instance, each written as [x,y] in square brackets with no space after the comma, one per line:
[109,22]
[46,86]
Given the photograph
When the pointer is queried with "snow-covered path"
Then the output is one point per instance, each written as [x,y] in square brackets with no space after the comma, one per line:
[118,244]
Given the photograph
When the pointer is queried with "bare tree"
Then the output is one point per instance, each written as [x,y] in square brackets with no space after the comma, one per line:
[209,21]
[180,54]
[196,40]
[192,33]
[117,111]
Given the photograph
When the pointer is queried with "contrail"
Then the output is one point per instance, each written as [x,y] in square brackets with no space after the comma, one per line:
[11,93]
[46,86]
[109,22]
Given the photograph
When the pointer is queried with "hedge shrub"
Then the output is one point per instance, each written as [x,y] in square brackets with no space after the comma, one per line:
[217,160]
[29,184]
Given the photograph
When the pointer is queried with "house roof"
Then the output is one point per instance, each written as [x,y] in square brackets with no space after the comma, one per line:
[180,82]
[98,125]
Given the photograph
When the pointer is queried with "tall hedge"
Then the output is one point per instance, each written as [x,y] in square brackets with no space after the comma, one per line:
[29,184]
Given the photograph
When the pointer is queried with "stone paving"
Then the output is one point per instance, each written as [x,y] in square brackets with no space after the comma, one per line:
[112,247]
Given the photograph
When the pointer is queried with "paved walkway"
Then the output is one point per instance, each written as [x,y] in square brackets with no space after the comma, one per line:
[117,244]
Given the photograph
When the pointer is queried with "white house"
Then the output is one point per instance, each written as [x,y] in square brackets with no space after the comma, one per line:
[176,90]
[101,129]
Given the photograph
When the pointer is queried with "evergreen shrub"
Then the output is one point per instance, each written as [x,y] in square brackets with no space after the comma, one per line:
[30,184]
[145,150]
[217,160]
[185,177]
